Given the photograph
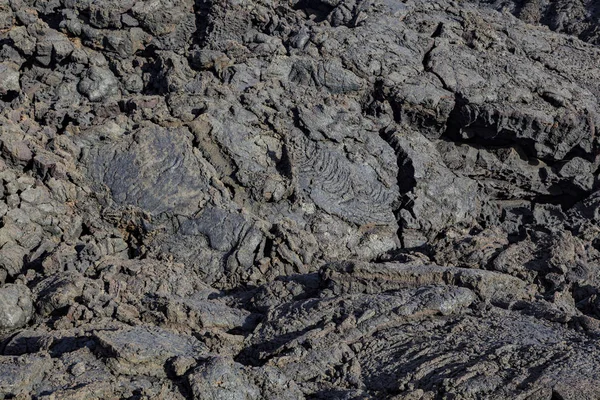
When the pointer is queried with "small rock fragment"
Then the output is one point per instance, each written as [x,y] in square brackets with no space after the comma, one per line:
[16,307]
[9,78]
[98,84]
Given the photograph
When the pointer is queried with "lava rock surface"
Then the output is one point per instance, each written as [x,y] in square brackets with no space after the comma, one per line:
[301,199]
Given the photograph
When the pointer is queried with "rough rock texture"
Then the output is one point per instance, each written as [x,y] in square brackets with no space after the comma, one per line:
[303,199]
[579,18]
[16,306]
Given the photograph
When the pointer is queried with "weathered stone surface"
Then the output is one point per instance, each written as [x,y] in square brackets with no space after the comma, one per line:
[16,306]
[222,378]
[21,375]
[9,76]
[145,350]
[374,278]
[156,169]
[98,84]
[59,291]
[574,18]
[324,199]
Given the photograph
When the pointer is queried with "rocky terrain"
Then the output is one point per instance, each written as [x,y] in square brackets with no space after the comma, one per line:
[299,199]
